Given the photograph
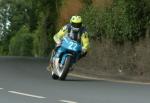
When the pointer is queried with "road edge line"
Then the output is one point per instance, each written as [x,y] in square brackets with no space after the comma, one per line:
[106,79]
[67,101]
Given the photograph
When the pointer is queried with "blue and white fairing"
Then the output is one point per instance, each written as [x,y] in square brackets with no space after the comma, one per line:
[70,44]
[69,47]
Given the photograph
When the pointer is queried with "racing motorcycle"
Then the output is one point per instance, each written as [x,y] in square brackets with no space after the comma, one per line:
[70,52]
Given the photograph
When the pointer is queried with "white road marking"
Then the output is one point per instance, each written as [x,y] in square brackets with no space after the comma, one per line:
[67,101]
[1,88]
[25,94]
[110,80]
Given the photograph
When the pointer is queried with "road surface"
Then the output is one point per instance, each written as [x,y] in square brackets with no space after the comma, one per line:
[25,80]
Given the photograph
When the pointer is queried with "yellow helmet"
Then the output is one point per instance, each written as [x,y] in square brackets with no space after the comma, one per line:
[76,21]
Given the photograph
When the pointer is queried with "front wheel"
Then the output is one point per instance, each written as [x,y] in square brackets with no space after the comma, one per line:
[54,76]
[65,68]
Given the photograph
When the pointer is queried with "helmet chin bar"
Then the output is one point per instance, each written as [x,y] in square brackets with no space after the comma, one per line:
[75,29]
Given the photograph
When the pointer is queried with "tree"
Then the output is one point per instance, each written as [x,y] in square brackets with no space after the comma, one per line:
[14,14]
[43,37]
[22,43]
[124,20]
[4,27]
[40,18]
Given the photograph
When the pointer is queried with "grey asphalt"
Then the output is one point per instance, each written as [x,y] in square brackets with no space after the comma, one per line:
[29,75]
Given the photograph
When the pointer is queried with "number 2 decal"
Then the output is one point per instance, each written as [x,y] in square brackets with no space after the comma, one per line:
[72,45]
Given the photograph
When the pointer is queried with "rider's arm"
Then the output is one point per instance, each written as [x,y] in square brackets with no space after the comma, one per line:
[60,34]
[85,41]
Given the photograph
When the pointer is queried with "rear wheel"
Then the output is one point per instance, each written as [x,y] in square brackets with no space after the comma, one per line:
[65,68]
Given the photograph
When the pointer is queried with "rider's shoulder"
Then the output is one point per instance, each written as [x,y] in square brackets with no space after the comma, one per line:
[66,27]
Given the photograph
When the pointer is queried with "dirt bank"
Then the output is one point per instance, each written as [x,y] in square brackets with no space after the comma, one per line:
[126,62]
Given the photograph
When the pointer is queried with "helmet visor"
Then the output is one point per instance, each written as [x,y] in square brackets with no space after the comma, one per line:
[76,25]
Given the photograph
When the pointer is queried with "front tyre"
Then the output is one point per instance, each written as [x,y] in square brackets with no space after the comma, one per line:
[65,68]
[54,76]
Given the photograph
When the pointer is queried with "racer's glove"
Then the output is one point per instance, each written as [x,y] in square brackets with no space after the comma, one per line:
[84,50]
[58,43]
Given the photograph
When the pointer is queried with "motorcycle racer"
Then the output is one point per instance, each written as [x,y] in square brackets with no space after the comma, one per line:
[76,31]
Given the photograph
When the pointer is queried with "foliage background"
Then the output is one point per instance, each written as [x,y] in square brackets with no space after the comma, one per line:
[27,27]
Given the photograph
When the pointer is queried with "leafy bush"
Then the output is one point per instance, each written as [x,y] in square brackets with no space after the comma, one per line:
[22,43]
[38,42]
[42,43]
[124,20]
